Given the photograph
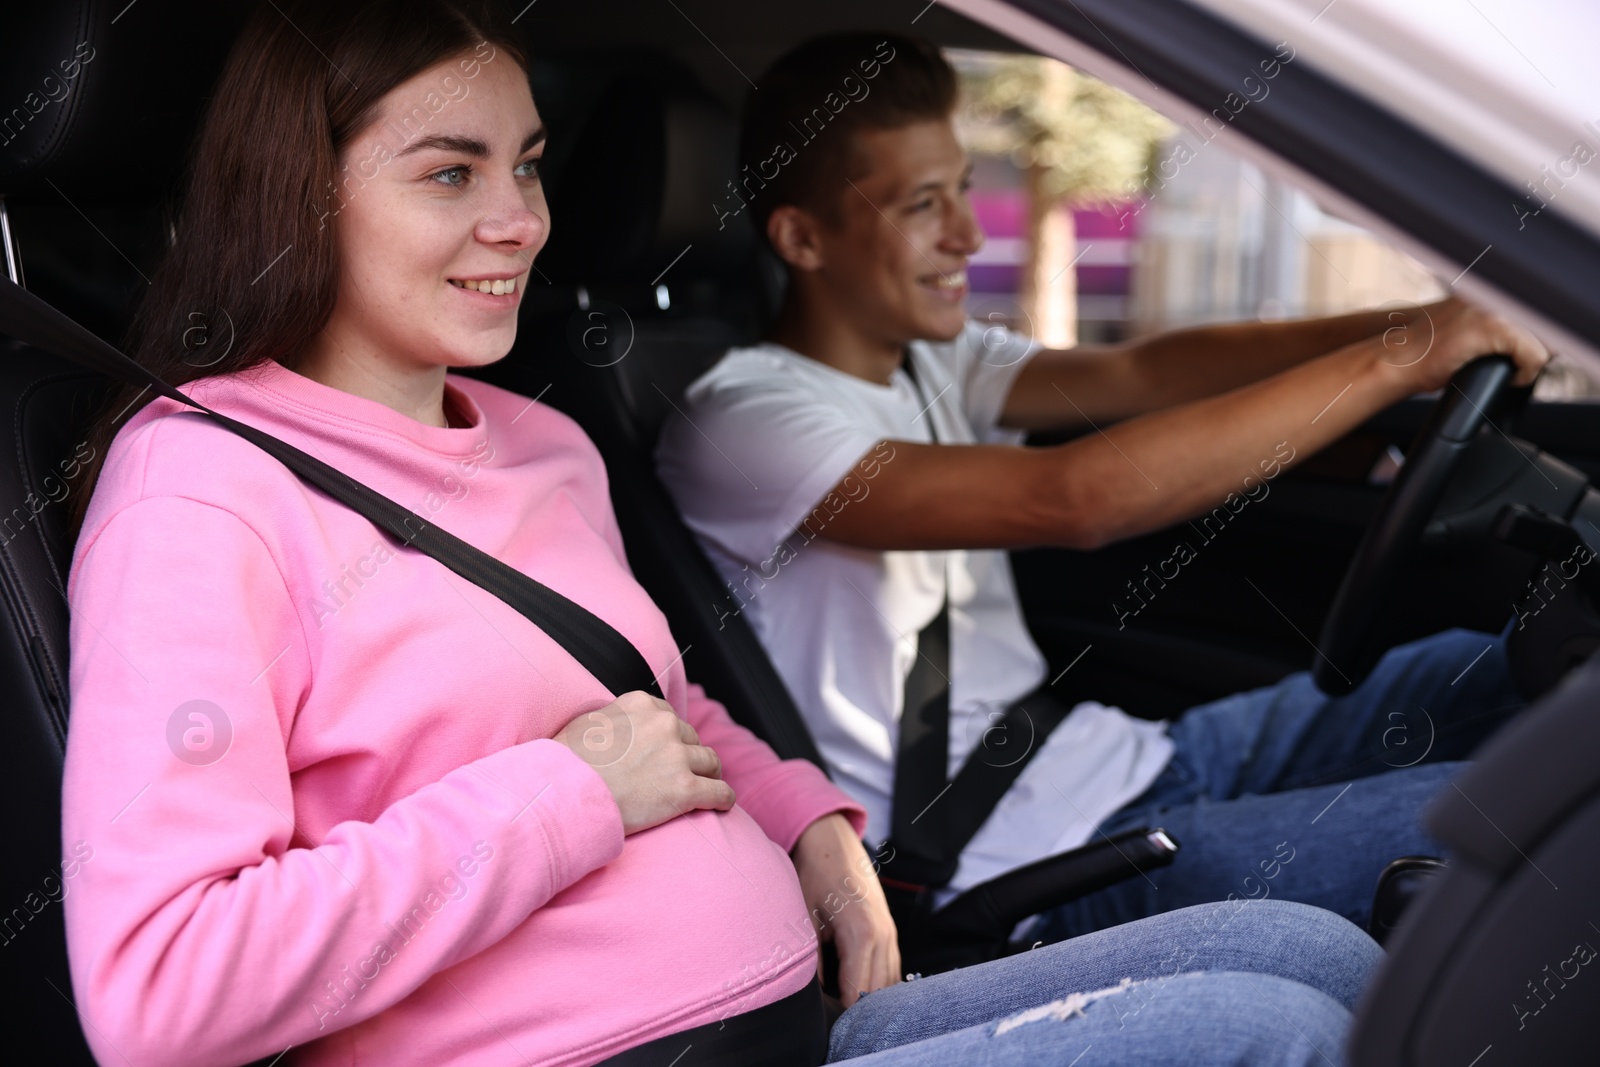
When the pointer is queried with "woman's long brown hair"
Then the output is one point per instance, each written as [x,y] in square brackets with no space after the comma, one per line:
[253,271]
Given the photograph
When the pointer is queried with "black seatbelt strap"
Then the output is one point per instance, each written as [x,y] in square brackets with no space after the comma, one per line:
[933,816]
[592,641]
[918,820]
[919,811]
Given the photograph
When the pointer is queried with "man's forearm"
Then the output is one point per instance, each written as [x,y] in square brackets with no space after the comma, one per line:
[1301,409]
[1190,364]
[1138,475]
[1100,385]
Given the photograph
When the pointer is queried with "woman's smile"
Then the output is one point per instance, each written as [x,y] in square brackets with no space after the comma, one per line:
[500,288]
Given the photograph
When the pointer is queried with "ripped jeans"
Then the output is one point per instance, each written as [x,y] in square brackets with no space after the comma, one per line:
[1247,982]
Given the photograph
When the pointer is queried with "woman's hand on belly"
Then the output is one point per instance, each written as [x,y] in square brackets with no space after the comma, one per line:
[650,759]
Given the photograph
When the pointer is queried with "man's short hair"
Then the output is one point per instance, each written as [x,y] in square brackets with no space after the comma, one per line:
[796,140]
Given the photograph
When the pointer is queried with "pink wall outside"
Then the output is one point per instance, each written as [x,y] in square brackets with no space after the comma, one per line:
[1003,215]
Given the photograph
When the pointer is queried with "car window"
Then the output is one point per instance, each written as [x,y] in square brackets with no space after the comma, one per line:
[1105,221]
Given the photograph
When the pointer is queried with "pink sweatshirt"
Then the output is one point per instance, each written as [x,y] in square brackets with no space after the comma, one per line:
[311,790]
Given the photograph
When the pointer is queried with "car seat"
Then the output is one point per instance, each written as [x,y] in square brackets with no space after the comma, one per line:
[85,160]
[1497,962]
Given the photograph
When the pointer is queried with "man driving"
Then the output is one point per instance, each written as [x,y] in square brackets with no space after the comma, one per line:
[858,476]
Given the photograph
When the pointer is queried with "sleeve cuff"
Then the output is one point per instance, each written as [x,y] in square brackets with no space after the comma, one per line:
[987,395]
[792,800]
[812,492]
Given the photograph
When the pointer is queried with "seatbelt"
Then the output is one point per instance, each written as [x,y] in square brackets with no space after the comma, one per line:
[592,641]
[932,817]
[918,815]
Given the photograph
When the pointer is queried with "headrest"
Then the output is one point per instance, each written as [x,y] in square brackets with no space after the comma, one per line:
[649,177]
[102,97]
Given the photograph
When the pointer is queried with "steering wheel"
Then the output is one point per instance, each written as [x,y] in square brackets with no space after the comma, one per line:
[1349,647]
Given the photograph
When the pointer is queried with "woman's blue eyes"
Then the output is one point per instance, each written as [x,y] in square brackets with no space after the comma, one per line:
[528,168]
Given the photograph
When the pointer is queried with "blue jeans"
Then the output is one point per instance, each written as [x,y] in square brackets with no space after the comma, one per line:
[1249,983]
[1284,792]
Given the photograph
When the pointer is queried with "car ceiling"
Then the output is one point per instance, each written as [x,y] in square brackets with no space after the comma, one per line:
[728,43]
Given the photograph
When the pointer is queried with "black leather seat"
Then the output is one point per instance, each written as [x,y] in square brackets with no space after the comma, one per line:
[1498,961]
[82,177]
[638,292]
[46,405]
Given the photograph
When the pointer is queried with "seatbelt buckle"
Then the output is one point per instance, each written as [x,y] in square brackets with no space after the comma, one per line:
[904,887]
[913,872]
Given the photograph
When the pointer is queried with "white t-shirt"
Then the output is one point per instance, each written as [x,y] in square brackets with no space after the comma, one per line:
[762,439]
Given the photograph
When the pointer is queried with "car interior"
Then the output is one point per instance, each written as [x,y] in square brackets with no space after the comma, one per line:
[641,288]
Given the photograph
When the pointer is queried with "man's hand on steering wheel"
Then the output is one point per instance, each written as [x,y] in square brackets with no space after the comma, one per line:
[1453,337]
[1441,338]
